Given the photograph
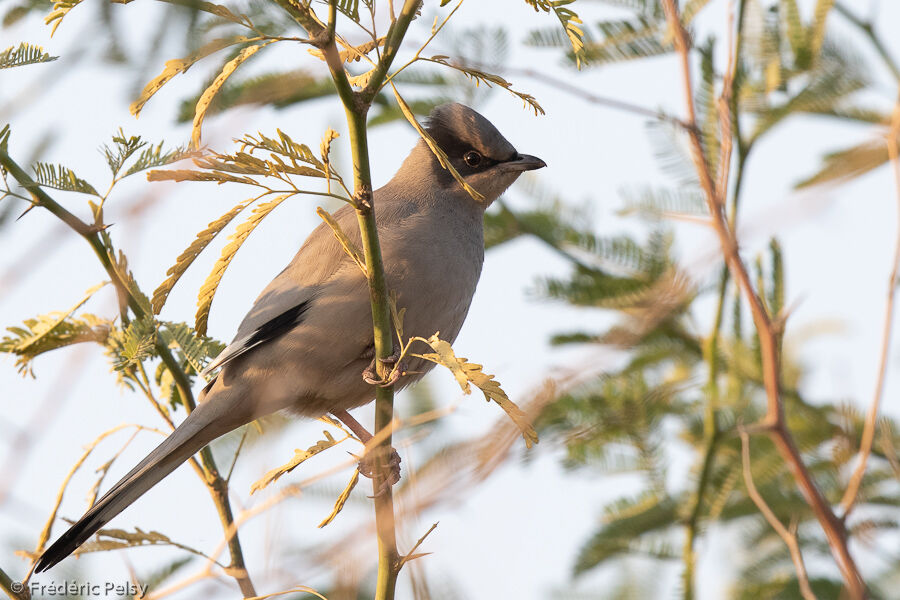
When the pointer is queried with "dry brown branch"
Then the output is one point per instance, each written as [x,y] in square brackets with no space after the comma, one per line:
[788,535]
[768,331]
[868,435]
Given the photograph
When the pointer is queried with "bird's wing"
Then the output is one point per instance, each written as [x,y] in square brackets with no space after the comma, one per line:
[281,306]
[269,330]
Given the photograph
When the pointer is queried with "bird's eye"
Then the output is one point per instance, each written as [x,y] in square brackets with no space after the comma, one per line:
[472,158]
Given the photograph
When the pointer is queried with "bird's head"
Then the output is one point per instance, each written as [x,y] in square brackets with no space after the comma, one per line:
[481,155]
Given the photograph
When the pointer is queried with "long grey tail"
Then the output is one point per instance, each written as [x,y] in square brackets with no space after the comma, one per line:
[207,422]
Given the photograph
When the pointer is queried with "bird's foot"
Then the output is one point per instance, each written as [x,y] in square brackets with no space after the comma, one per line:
[368,466]
[370,373]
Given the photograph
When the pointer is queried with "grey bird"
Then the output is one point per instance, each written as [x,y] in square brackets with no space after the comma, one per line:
[308,337]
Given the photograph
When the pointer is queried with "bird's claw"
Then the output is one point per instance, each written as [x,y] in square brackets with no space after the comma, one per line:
[368,467]
[370,374]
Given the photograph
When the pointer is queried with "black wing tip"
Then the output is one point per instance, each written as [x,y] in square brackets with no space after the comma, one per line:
[48,560]
[67,544]
[53,555]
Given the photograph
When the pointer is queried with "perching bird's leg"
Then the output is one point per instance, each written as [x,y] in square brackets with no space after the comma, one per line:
[367,463]
[370,373]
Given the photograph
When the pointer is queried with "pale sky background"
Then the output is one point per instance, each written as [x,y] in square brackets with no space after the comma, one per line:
[517,535]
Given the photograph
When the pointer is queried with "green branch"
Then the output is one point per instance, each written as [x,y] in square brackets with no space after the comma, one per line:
[356,107]
[392,42]
[129,299]
[13,588]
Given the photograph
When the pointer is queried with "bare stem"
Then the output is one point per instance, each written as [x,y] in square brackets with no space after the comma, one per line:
[788,535]
[868,435]
[773,422]
[565,85]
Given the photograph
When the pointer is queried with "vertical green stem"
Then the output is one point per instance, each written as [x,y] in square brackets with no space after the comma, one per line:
[356,106]
[388,558]
[710,423]
[11,587]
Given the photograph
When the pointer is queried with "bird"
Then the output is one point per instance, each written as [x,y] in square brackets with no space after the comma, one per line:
[307,343]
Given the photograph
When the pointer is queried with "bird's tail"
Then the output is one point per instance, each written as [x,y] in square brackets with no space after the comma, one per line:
[207,422]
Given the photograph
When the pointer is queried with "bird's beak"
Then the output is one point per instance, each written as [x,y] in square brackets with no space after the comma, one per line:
[524,162]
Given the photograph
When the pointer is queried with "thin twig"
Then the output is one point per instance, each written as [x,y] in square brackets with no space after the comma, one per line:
[411,555]
[566,86]
[788,535]
[868,434]
[869,30]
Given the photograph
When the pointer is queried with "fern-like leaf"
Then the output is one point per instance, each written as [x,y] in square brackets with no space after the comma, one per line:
[621,40]
[122,149]
[152,157]
[208,290]
[569,21]
[189,175]
[133,345]
[283,146]
[59,11]
[180,65]
[630,525]
[210,93]
[466,373]
[195,350]
[51,332]
[24,54]
[61,178]
[479,76]
[300,456]
[342,499]
[658,203]
[348,8]
[847,164]
[186,258]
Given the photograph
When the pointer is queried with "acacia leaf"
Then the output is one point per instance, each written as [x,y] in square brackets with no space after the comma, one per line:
[180,65]
[207,97]
[186,258]
[300,456]
[466,372]
[209,287]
